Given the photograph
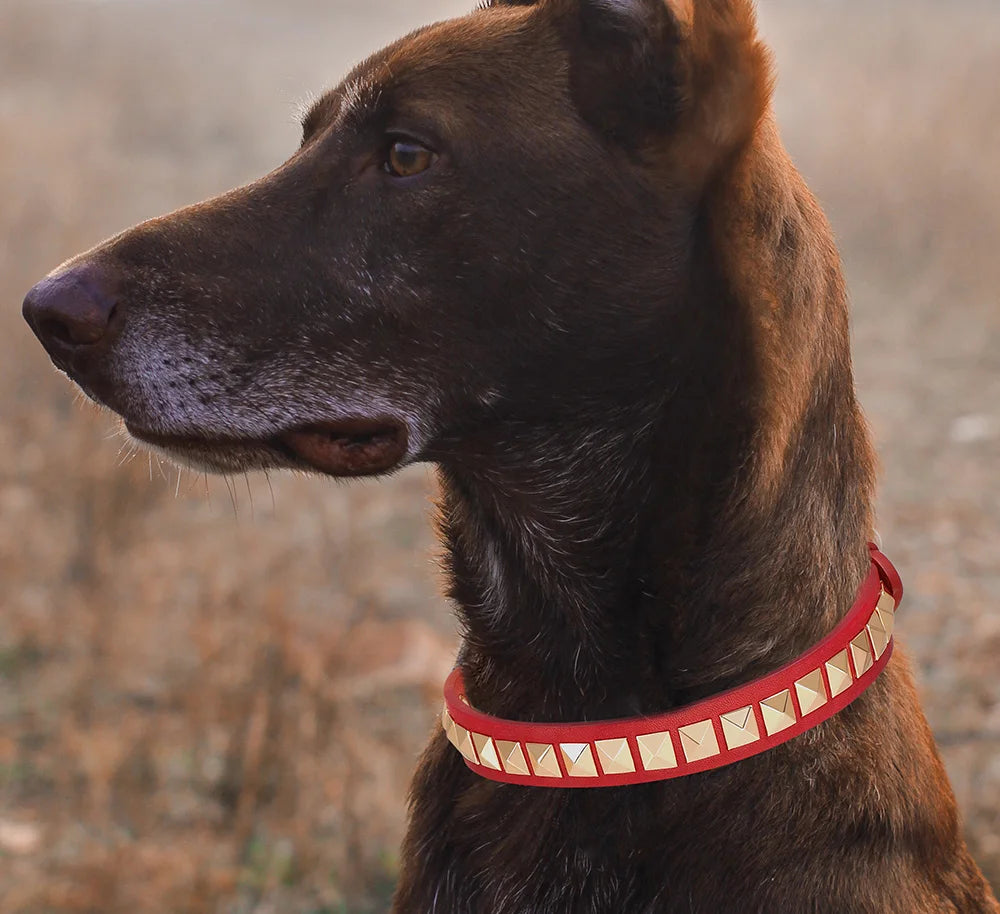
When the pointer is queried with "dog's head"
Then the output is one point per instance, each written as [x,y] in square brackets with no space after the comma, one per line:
[486,221]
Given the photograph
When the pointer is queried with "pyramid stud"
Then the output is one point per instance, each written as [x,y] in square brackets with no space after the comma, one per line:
[861,654]
[486,751]
[449,729]
[739,728]
[615,756]
[886,603]
[878,634]
[888,620]
[699,741]
[578,759]
[778,712]
[512,757]
[447,724]
[656,751]
[463,742]
[811,692]
[543,760]
[838,672]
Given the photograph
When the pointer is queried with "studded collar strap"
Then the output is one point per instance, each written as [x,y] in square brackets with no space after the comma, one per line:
[717,731]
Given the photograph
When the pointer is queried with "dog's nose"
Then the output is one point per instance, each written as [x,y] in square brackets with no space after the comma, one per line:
[72,309]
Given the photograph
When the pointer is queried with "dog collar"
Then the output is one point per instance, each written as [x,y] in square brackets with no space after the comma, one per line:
[717,731]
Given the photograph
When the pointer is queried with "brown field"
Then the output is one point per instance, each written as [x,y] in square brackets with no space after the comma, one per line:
[213,703]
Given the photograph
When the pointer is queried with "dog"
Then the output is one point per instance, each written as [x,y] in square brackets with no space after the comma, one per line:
[556,248]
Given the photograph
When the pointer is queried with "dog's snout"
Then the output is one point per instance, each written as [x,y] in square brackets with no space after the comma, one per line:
[72,309]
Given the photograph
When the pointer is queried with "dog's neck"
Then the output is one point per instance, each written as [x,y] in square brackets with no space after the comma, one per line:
[630,561]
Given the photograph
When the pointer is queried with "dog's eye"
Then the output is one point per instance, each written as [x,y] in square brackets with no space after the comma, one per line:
[407,158]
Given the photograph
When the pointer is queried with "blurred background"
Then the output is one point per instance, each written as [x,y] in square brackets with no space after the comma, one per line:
[212,697]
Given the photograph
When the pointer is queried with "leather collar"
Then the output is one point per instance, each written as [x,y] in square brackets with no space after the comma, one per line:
[716,731]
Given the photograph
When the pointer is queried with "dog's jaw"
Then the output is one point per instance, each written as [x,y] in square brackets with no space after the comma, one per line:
[351,447]
[183,405]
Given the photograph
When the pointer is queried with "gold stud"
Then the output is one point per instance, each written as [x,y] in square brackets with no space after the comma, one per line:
[778,712]
[740,727]
[886,618]
[578,759]
[463,742]
[543,760]
[861,654]
[886,603]
[449,731]
[656,751]
[512,757]
[878,634]
[447,724]
[838,672]
[699,741]
[888,621]
[486,751]
[615,756]
[810,692]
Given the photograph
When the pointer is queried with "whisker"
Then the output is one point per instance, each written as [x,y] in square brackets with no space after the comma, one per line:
[193,480]
[270,489]
[232,496]
[246,479]
[127,453]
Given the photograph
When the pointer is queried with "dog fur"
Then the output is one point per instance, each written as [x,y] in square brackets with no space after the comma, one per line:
[614,317]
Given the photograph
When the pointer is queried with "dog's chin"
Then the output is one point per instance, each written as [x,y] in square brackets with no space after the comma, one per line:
[346,447]
[343,448]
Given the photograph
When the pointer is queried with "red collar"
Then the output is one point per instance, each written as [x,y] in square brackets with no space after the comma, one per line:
[717,731]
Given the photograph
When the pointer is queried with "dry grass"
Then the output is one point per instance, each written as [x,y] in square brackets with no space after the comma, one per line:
[211,709]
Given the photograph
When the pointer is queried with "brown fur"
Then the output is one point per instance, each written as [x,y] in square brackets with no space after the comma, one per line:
[614,317]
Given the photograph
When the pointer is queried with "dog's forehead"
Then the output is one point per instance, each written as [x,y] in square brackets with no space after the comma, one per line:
[480,52]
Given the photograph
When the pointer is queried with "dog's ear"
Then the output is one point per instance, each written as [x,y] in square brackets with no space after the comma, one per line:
[625,72]
[693,69]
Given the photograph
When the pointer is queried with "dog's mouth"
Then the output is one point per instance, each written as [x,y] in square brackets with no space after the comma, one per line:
[345,447]
[351,447]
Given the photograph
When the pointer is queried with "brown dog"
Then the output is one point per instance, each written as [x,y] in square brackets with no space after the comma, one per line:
[557,249]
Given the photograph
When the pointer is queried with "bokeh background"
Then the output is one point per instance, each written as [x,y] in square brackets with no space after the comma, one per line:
[212,695]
